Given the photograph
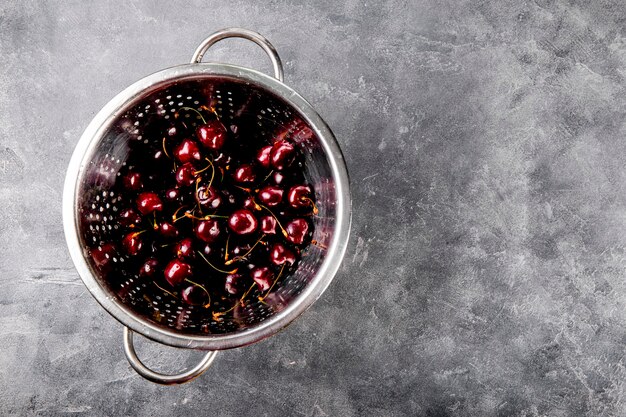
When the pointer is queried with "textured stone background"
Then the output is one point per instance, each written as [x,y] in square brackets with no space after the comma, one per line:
[486,270]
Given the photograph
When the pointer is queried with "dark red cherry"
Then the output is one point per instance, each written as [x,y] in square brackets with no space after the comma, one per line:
[244,174]
[187,151]
[184,249]
[103,256]
[282,154]
[186,174]
[133,243]
[268,225]
[149,268]
[194,295]
[278,177]
[168,230]
[234,283]
[242,222]
[129,217]
[132,181]
[299,196]
[280,255]
[176,272]
[172,194]
[270,195]
[297,231]
[212,135]
[263,156]
[148,202]
[208,197]
[262,276]
[208,230]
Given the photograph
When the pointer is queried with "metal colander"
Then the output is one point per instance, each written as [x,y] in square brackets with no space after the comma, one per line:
[247,102]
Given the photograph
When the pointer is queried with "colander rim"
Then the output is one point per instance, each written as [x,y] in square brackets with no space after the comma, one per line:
[104,119]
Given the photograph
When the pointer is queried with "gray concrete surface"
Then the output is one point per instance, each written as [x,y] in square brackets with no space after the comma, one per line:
[486,274]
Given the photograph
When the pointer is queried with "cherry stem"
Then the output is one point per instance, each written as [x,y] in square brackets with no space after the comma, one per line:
[211,109]
[164,290]
[275,281]
[243,188]
[216,268]
[203,289]
[217,315]
[174,218]
[226,250]
[208,216]
[318,244]
[277,221]
[205,168]
[243,297]
[165,150]
[194,110]
[268,175]
[241,257]
[315,210]
[197,202]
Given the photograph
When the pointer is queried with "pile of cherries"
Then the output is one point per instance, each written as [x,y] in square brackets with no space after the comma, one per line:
[209,213]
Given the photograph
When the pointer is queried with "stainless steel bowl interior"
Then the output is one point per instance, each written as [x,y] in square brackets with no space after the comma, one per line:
[244,99]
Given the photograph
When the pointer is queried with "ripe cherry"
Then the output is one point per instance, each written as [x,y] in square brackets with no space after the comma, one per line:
[129,217]
[194,295]
[133,243]
[208,197]
[168,230]
[282,154]
[187,151]
[270,195]
[233,284]
[208,230]
[244,174]
[263,156]
[262,276]
[103,256]
[186,174]
[132,181]
[297,230]
[212,135]
[184,249]
[268,225]
[149,202]
[176,272]
[149,268]
[242,222]
[280,255]
[299,196]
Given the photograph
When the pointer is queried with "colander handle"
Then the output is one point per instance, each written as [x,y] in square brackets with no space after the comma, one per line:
[153,376]
[245,34]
